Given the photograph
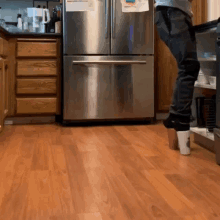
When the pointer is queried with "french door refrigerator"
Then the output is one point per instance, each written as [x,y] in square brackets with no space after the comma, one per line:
[108,63]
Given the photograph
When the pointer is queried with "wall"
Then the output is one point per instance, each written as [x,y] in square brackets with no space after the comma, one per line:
[10,8]
[213,10]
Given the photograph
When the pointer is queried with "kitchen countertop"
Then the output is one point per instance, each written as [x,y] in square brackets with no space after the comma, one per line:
[27,34]
[198,29]
[205,26]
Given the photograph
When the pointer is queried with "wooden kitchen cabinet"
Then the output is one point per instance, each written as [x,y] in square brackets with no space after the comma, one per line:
[6,87]
[41,67]
[36,49]
[37,86]
[30,78]
[36,105]
[1,97]
[37,78]
[4,91]
[3,47]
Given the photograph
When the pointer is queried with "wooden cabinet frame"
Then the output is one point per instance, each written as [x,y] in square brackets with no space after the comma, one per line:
[4,91]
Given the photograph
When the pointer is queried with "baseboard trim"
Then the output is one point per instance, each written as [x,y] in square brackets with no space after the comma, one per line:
[51,119]
[161,116]
[30,120]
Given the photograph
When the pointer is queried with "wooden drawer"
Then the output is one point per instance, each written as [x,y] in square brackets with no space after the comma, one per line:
[36,68]
[36,105]
[36,86]
[3,47]
[36,49]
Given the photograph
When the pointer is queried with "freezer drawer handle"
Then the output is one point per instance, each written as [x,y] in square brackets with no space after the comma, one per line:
[110,62]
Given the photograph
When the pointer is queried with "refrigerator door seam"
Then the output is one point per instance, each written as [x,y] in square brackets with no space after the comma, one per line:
[113,18]
[106,18]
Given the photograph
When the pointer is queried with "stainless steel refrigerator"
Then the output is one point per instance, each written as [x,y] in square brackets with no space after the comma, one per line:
[108,63]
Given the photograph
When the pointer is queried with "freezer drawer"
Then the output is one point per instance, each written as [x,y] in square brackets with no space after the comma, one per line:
[108,87]
[87,91]
[133,89]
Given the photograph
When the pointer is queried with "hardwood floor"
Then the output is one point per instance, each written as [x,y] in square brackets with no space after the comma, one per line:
[104,173]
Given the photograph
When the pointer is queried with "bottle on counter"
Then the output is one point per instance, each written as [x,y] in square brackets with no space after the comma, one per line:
[19,25]
[51,24]
[25,20]
[58,20]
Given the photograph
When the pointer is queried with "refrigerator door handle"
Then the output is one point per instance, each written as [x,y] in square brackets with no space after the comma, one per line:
[113,18]
[110,62]
[106,18]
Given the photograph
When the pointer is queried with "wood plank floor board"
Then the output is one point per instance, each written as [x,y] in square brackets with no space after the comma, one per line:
[140,146]
[61,181]
[14,199]
[11,154]
[81,189]
[174,201]
[155,205]
[104,136]
[192,193]
[50,172]
[117,136]
[40,198]
[131,203]
[104,196]
[64,208]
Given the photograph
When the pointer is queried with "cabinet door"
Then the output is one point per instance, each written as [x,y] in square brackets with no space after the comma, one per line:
[3,47]
[5,87]
[36,49]
[1,97]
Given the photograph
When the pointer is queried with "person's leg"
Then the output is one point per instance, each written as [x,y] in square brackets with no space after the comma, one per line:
[162,23]
[175,29]
[183,47]
[163,28]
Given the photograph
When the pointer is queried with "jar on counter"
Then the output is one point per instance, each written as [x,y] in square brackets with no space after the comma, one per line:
[25,24]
